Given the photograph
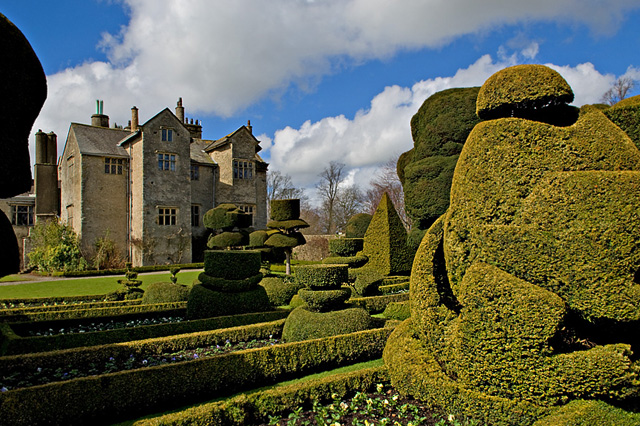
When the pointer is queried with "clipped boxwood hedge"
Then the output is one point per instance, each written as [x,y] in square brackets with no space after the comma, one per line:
[285,209]
[256,407]
[320,276]
[357,225]
[350,261]
[19,313]
[377,304]
[165,292]
[302,324]
[117,396]
[229,286]
[345,246]
[398,310]
[279,291]
[232,264]
[12,343]
[324,300]
[204,302]
[148,268]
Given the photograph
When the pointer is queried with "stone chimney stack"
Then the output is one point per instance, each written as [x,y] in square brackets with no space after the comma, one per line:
[134,119]
[180,111]
[99,119]
[249,126]
[46,176]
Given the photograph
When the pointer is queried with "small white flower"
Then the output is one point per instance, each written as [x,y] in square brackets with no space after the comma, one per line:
[451,418]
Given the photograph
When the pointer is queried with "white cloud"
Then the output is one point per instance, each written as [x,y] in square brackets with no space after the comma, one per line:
[381,132]
[223,56]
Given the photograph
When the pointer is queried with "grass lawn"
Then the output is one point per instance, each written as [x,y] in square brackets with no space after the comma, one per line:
[84,286]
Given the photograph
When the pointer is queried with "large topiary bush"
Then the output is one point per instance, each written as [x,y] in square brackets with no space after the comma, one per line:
[357,225]
[285,225]
[524,294]
[439,130]
[626,115]
[385,243]
[165,292]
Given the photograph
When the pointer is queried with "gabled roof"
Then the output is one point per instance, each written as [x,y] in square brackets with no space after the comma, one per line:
[228,139]
[102,141]
[198,154]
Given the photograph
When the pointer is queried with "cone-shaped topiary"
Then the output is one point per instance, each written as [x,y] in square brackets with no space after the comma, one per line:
[385,243]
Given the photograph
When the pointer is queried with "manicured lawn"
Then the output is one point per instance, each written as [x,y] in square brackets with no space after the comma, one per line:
[84,286]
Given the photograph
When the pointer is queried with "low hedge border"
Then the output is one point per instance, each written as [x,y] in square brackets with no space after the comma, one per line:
[47,300]
[354,261]
[394,288]
[12,344]
[377,304]
[256,407]
[149,268]
[100,312]
[155,346]
[9,313]
[117,396]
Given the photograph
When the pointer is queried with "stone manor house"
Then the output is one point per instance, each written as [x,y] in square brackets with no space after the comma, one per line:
[147,186]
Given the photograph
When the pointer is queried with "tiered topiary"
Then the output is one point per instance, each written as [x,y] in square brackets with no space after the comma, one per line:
[324,312]
[385,242]
[129,289]
[524,295]
[286,222]
[346,251]
[229,283]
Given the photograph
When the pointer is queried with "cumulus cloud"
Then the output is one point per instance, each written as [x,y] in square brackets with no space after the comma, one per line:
[224,56]
[382,131]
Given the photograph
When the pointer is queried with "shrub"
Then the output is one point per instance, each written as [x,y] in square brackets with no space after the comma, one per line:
[324,300]
[505,93]
[357,225]
[227,239]
[226,217]
[321,276]
[626,115]
[205,303]
[588,413]
[55,247]
[231,264]
[163,292]
[367,281]
[279,291]
[350,261]
[229,286]
[345,247]
[385,243]
[282,210]
[397,310]
[302,324]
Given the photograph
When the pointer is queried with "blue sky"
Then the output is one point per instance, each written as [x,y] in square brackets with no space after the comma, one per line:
[320,80]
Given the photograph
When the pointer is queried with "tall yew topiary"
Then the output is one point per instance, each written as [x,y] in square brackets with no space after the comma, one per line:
[286,222]
[385,242]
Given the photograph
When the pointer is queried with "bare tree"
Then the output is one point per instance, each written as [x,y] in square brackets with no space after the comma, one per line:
[618,91]
[328,187]
[349,202]
[280,187]
[387,180]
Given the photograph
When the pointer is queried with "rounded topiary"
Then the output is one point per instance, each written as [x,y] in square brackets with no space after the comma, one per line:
[232,264]
[626,115]
[165,292]
[324,300]
[296,301]
[302,324]
[282,210]
[280,292]
[228,239]
[322,277]
[522,89]
[279,240]
[225,217]
[351,261]
[258,238]
[229,286]
[345,246]
[206,303]
[367,281]
[357,225]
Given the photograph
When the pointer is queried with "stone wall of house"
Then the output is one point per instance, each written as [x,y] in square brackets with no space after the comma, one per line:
[104,206]
[166,189]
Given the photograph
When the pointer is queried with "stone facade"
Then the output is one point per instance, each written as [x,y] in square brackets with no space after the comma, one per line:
[147,186]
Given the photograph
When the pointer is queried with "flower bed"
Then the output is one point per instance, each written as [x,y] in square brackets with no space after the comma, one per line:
[116,396]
